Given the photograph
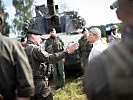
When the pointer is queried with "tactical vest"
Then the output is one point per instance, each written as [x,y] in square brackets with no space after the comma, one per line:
[119,69]
[54,45]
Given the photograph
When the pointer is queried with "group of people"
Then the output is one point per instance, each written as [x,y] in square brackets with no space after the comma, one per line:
[109,76]
[90,45]
[107,73]
[21,68]
[53,44]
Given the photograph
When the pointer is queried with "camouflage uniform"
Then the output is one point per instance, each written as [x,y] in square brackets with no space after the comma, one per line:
[15,70]
[109,76]
[84,50]
[37,56]
[56,45]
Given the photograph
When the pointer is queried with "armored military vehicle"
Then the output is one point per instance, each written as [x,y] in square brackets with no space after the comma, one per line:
[67,24]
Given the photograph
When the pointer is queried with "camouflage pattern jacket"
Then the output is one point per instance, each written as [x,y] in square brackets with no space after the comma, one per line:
[54,45]
[37,56]
[84,45]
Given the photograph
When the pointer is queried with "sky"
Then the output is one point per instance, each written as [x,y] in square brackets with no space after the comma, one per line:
[95,12]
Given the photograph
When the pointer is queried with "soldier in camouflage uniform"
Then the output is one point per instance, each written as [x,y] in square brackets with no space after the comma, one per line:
[109,76]
[84,48]
[37,57]
[55,45]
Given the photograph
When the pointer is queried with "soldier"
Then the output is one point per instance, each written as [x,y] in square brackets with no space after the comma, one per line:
[115,36]
[109,76]
[84,48]
[37,56]
[55,45]
[16,79]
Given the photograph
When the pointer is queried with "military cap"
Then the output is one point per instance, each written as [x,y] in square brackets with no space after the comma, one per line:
[51,30]
[84,29]
[35,32]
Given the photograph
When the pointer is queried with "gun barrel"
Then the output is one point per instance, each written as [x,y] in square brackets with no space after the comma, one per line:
[51,7]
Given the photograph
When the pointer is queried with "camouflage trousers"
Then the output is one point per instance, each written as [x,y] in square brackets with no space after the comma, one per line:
[40,97]
[42,90]
[84,60]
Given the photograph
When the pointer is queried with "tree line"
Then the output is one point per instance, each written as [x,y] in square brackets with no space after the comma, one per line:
[23,12]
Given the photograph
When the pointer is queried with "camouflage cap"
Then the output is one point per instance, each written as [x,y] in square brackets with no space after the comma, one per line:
[51,30]
[35,32]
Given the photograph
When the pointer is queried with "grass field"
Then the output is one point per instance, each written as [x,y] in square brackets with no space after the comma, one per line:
[71,91]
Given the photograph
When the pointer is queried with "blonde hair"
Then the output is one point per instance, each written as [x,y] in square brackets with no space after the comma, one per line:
[96,31]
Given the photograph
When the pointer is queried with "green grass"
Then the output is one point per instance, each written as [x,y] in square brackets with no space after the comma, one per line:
[71,91]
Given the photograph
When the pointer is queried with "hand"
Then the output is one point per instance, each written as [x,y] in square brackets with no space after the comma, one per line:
[71,48]
[63,60]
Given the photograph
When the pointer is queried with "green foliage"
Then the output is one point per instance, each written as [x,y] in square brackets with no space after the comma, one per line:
[23,12]
[120,27]
[73,90]
[5,29]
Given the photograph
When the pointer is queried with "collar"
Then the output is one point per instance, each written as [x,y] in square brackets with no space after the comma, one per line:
[53,37]
[97,42]
[84,38]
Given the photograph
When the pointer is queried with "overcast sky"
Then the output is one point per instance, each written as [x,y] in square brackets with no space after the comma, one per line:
[95,12]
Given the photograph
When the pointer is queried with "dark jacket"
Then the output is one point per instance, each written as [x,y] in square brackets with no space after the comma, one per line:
[53,45]
[15,71]
[37,56]
[84,45]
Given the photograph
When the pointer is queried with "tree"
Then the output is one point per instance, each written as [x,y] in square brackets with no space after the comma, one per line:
[5,29]
[23,12]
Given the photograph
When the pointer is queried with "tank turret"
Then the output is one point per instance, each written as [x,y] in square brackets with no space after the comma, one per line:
[48,16]
[67,25]
[51,7]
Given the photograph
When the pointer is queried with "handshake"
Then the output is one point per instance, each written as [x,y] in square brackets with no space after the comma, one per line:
[71,48]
